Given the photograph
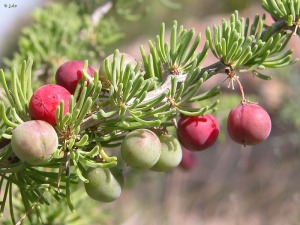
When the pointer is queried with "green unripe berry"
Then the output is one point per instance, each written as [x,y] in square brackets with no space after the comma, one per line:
[171,153]
[141,149]
[104,185]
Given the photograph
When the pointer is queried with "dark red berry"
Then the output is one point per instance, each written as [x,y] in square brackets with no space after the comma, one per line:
[69,73]
[197,133]
[45,100]
[248,124]
[189,160]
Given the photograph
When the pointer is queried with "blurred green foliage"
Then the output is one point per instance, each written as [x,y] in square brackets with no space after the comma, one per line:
[56,36]
[59,212]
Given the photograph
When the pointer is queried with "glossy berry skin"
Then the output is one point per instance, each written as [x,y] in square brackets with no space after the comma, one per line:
[104,185]
[45,100]
[69,73]
[197,133]
[141,149]
[171,153]
[34,141]
[248,124]
[188,161]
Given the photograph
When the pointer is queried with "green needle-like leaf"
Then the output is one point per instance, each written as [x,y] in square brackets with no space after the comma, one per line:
[152,123]
[4,117]
[86,107]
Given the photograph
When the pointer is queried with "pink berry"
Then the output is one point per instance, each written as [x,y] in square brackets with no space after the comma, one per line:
[45,100]
[34,141]
[248,124]
[69,73]
[197,133]
[188,161]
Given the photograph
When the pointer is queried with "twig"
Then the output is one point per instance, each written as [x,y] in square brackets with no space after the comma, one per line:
[31,208]
[166,85]
[275,27]
[212,69]
[100,12]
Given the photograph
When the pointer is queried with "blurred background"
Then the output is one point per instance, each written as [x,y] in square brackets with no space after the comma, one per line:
[230,184]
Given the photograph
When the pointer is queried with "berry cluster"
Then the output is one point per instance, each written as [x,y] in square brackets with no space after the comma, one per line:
[35,141]
[144,148]
[247,124]
[66,132]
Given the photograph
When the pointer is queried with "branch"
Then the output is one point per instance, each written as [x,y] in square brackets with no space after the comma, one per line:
[4,142]
[165,86]
[215,68]
[212,69]
[276,27]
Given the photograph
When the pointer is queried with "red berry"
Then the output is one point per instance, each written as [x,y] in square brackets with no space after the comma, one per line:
[189,160]
[248,124]
[45,100]
[69,73]
[197,133]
